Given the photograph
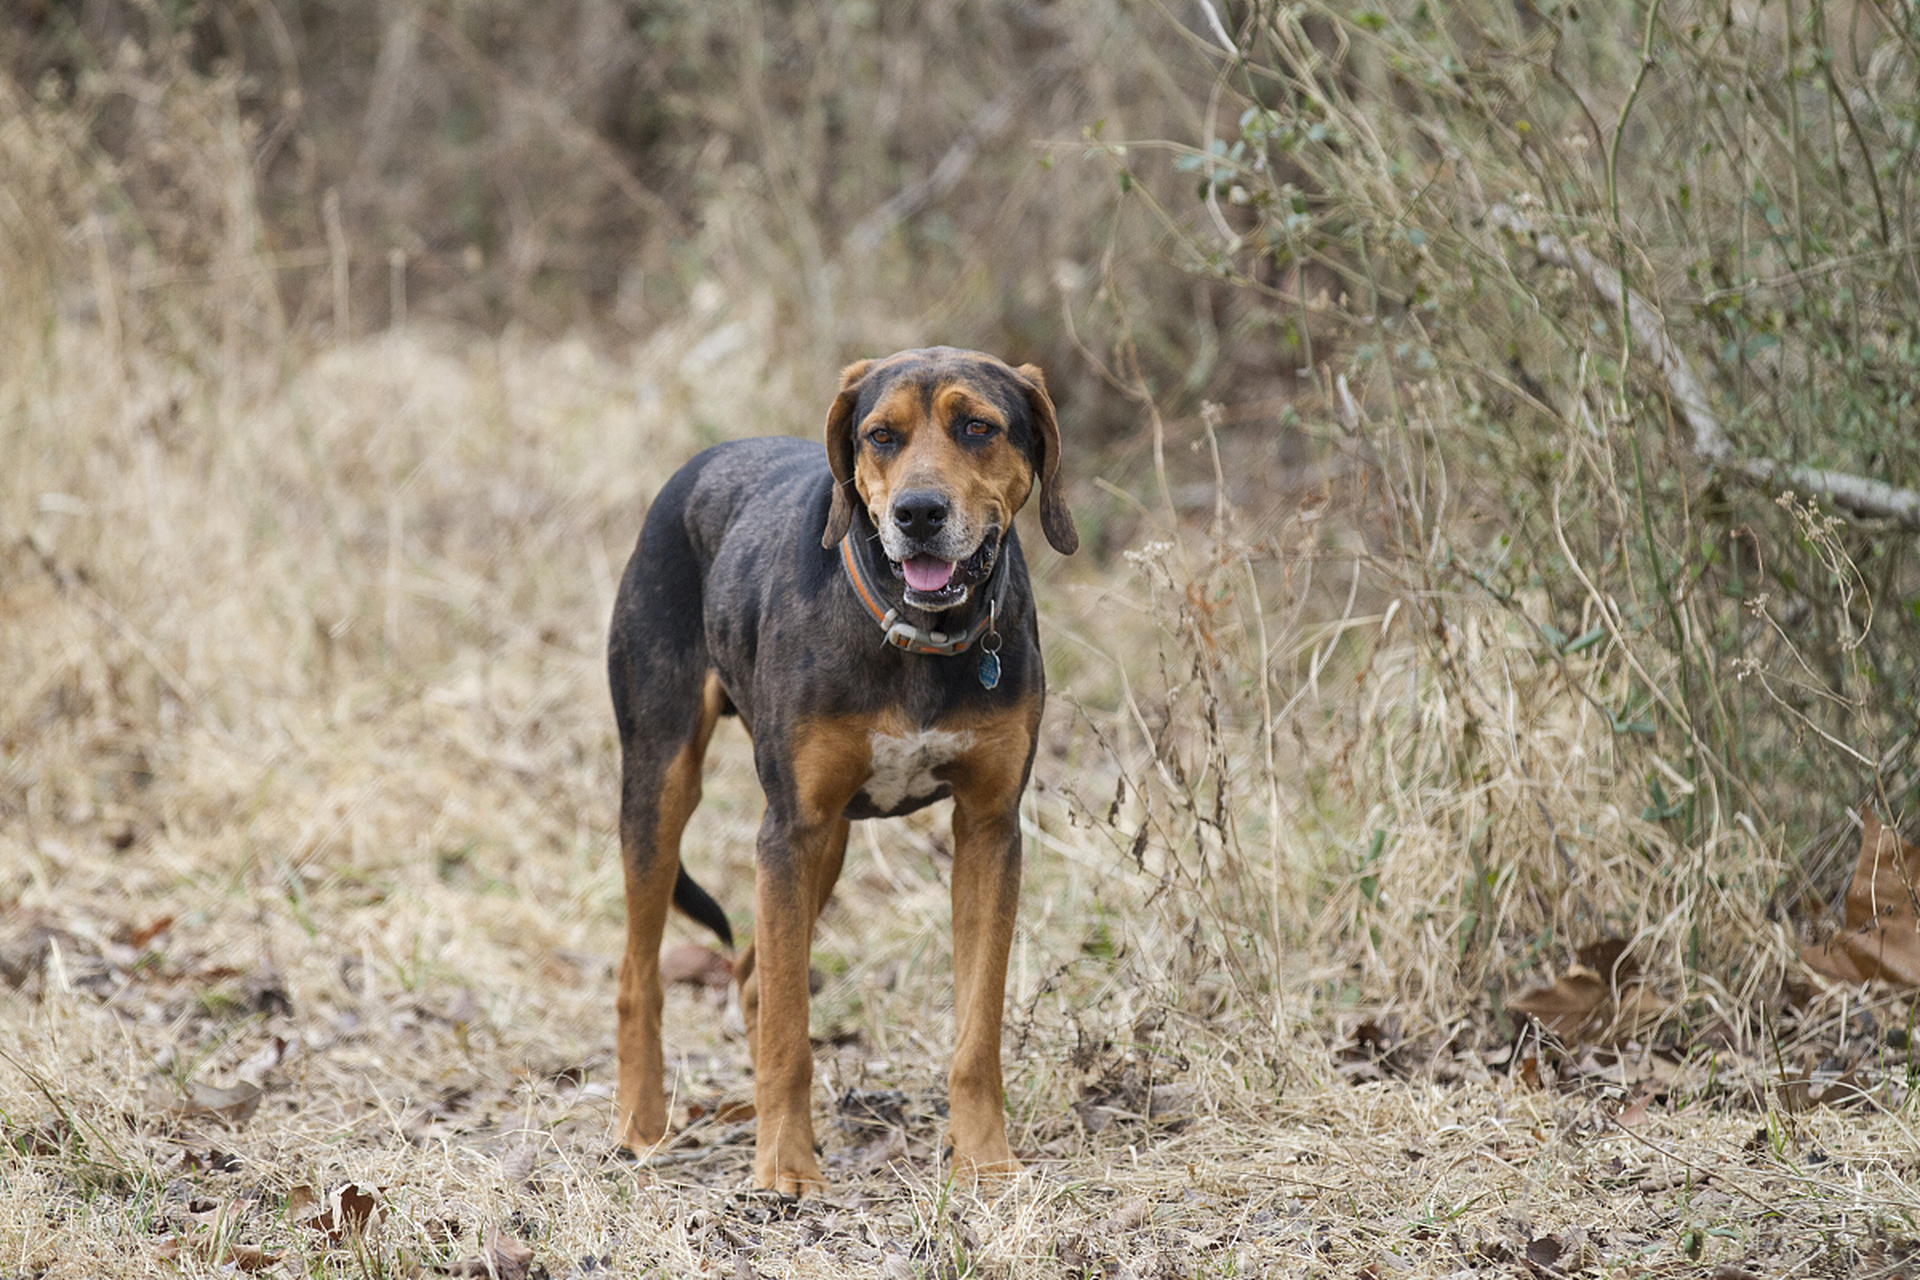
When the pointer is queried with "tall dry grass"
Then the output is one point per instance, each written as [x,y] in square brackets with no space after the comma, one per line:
[1597,682]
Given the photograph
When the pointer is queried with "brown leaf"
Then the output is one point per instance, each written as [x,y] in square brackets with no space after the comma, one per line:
[1599,999]
[512,1258]
[196,1101]
[1608,957]
[1545,1251]
[1569,1006]
[881,1152]
[1635,1112]
[1635,1013]
[699,966]
[207,1245]
[263,1061]
[138,937]
[1848,1091]
[302,1203]
[353,1206]
[517,1165]
[1129,1216]
[347,1211]
[1881,939]
[247,1257]
[505,1258]
[1829,959]
[1795,1093]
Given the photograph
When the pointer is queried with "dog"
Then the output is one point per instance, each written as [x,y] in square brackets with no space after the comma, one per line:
[867,615]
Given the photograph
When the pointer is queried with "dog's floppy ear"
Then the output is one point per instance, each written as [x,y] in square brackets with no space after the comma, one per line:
[1055,520]
[840,452]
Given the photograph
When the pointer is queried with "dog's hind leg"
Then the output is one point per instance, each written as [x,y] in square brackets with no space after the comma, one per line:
[661,761]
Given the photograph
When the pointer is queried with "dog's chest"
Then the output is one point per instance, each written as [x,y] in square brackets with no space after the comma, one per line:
[904,768]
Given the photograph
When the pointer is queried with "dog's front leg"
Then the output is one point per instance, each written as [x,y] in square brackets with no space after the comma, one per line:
[986,890]
[797,866]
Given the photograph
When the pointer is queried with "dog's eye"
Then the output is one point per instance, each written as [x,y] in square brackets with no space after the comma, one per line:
[979,428]
[880,437]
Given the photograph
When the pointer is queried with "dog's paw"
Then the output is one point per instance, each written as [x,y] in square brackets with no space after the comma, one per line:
[797,1183]
[991,1169]
[790,1173]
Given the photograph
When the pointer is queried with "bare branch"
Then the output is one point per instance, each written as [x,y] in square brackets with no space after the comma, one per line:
[1858,494]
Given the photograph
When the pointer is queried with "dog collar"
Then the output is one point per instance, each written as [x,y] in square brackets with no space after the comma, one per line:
[904,635]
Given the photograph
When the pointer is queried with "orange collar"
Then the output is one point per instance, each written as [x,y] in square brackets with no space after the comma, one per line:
[904,635]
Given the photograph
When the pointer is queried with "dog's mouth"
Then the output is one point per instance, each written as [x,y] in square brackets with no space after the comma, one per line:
[934,583]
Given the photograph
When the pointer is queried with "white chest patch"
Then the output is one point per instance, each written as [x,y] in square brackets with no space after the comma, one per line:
[903,766]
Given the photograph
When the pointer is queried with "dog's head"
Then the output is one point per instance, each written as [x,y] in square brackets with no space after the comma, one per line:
[942,447]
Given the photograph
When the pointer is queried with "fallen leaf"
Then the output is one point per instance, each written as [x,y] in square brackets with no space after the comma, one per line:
[1636,1011]
[1795,1093]
[138,937]
[347,1211]
[699,966]
[1881,939]
[1545,1251]
[1128,1217]
[247,1257]
[518,1164]
[208,1246]
[505,1258]
[1599,999]
[1635,1112]
[1608,957]
[196,1101]
[262,1062]
[1567,1008]
[1848,1091]
[881,1152]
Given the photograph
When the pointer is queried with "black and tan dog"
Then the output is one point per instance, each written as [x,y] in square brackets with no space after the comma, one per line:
[866,614]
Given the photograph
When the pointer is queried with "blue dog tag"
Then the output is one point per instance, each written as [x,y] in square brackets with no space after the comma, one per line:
[989,670]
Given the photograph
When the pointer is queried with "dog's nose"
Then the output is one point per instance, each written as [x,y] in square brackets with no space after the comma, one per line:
[920,513]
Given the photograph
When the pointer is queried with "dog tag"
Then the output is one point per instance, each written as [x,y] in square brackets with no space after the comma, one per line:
[989,670]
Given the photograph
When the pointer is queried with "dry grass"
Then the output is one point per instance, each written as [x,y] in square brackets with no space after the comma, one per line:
[307,791]
[309,783]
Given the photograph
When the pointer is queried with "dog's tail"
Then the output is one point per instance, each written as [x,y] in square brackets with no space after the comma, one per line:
[699,904]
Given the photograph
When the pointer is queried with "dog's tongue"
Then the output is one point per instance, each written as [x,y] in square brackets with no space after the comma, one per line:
[927,573]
